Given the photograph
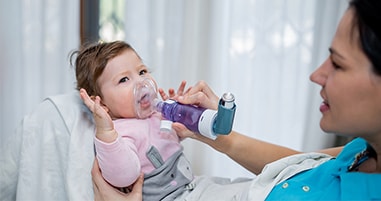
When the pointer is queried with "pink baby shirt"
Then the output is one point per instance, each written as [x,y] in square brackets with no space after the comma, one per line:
[122,161]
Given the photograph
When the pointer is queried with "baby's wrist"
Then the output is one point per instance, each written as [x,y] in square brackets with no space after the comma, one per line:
[107,136]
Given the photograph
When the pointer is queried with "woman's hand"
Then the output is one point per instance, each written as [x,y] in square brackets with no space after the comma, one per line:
[200,95]
[103,121]
[105,192]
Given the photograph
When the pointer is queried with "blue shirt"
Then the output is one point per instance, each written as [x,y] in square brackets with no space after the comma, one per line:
[332,180]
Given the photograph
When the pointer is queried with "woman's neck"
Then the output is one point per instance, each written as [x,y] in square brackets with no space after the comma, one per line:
[373,163]
[370,166]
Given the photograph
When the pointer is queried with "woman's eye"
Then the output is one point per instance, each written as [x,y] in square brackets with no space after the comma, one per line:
[125,79]
[335,65]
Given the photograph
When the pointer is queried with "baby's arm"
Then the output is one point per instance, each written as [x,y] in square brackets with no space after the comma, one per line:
[104,126]
[118,160]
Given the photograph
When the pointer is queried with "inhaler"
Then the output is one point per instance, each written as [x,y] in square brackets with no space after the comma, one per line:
[207,122]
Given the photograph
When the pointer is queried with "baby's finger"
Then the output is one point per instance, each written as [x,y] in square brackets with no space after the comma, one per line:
[180,90]
[86,99]
[97,106]
[171,93]
[163,95]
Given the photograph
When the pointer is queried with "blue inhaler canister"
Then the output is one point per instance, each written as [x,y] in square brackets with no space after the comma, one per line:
[225,114]
[212,123]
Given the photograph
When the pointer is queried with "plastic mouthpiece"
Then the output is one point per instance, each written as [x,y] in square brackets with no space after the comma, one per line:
[144,95]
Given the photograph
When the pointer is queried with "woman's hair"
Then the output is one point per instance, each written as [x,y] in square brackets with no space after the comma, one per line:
[91,61]
[367,20]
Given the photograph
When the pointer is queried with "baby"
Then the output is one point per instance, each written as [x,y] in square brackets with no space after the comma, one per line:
[107,75]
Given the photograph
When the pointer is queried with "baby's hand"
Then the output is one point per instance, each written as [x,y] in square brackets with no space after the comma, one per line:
[103,121]
[171,92]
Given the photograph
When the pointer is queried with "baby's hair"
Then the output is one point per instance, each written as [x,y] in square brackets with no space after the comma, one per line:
[91,60]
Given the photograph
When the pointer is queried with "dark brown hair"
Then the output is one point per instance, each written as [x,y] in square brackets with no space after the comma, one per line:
[367,20]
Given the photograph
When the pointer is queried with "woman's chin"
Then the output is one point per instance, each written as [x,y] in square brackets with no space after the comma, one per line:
[325,127]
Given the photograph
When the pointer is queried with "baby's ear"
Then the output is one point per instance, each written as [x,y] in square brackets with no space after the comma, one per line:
[104,107]
[101,103]
[92,98]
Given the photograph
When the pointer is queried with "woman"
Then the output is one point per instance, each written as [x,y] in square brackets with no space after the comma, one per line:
[351,91]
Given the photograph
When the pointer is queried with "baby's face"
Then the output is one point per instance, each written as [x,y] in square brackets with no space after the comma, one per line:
[117,83]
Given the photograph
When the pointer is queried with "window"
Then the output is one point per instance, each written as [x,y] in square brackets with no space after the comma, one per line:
[102,20]
[111,16]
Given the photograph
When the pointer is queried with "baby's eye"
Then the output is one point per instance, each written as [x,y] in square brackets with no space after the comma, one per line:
[125,79]
[143,72]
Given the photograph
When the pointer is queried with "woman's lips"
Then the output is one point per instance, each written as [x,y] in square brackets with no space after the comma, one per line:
[324,107]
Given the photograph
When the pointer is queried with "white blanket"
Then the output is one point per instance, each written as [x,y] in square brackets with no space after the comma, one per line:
[281,170]
[258,188]
[51,155]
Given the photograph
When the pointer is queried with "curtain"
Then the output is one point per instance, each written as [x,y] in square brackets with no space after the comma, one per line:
[36,38]
[262,51]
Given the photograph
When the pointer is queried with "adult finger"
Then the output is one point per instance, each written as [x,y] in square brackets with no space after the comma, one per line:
[201,95]
[182,131]
[137,189]
[96,173]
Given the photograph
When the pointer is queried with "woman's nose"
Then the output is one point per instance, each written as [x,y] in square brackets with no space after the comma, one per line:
[319,76]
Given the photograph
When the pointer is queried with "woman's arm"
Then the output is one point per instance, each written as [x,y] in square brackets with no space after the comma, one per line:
[251,153]
[334,151]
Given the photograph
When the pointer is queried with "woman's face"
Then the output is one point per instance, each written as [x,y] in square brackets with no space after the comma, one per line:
[351,91]
[117,84]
